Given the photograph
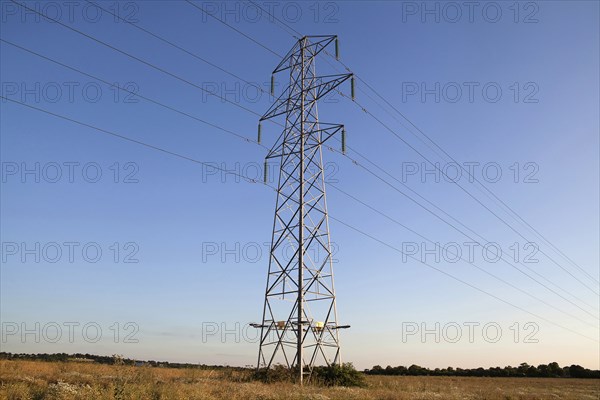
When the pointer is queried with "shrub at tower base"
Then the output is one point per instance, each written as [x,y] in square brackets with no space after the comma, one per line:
[333,375]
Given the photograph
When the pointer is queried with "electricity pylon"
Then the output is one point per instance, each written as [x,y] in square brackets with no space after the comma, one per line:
[299,328]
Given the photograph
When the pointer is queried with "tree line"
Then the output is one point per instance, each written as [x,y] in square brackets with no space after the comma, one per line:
[552,370]
[110,360]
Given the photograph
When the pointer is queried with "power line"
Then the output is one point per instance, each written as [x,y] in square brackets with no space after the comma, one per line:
[457,279]
[473,197]
[364,109]
[177,47]
[460,256]
[251,180]
[283,24]
[479,243]
[126,138]
[235,29]
[460,231]
[138,59]
[239,136]
[480,183]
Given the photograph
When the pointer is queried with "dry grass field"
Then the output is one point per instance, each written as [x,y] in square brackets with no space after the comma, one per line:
[74,380]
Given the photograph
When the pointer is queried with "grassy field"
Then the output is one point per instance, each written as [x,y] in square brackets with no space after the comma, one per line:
[76,380]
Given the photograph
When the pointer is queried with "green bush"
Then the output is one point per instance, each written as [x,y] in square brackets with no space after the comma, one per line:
[333,375]
[339,375]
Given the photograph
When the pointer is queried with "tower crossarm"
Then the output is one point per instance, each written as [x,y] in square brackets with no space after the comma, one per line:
[291,100]
[326,131]
[313,46]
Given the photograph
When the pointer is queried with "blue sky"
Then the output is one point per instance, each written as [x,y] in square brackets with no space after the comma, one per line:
[168,213]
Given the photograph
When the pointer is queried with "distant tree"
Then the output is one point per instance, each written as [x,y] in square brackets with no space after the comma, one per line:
[522,369]
[532,371]
[416,370]
[555,370]
[543,370]
[377,370]
[577,371]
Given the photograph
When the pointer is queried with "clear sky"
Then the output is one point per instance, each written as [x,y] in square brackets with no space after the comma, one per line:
[503,87]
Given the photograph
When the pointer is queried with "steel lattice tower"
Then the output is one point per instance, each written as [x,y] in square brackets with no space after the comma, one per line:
[299,328]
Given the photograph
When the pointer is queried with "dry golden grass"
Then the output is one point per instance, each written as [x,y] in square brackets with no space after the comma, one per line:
[37,380]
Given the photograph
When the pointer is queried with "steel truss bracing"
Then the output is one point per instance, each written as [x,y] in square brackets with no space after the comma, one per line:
[299,328]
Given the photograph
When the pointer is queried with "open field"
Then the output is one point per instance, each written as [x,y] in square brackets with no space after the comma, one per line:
[74,380]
